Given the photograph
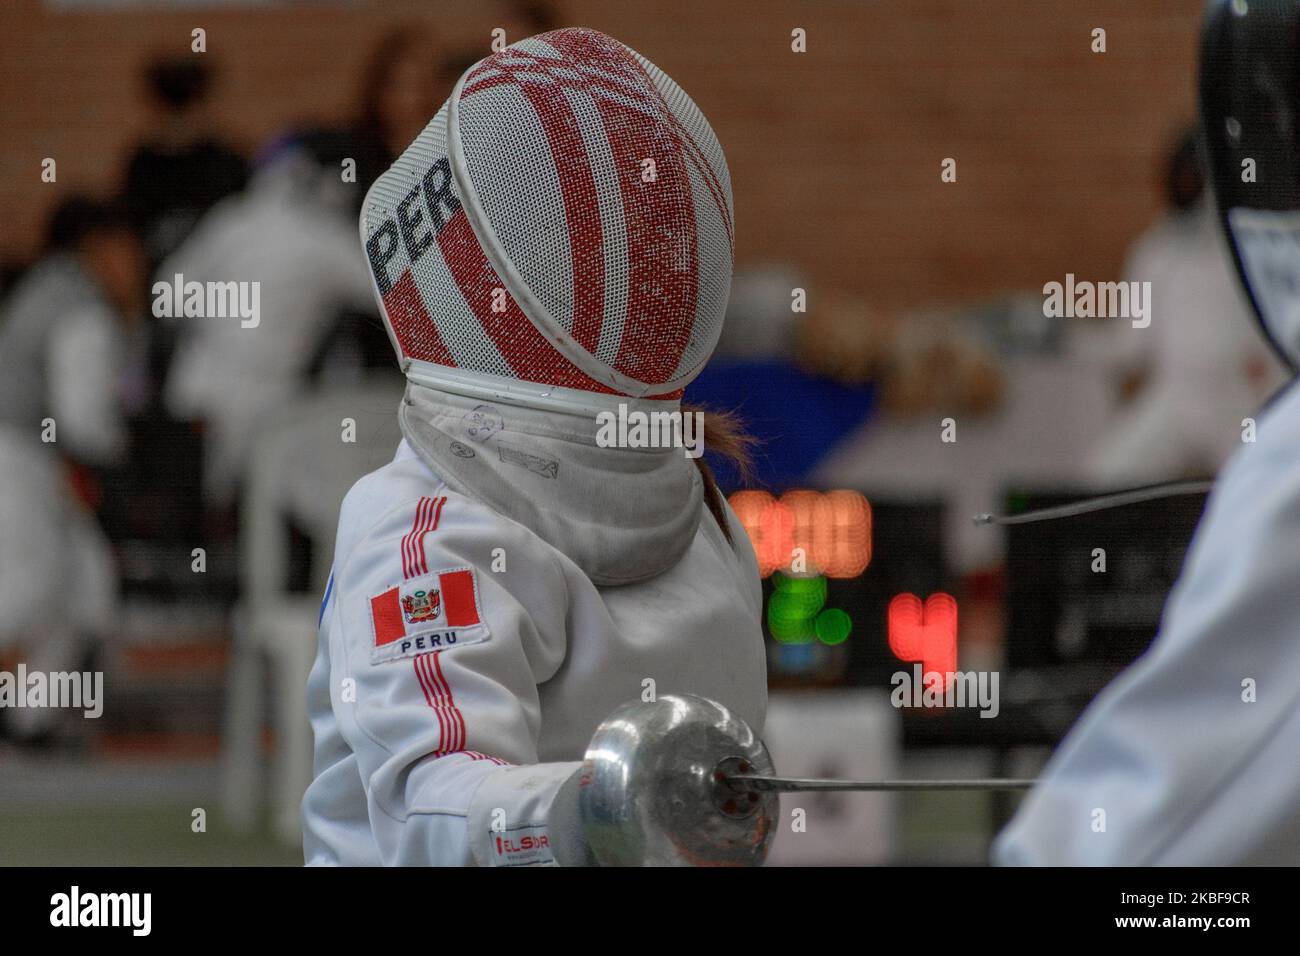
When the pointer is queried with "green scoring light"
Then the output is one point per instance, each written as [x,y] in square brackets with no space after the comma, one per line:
[795,614]
[833,626]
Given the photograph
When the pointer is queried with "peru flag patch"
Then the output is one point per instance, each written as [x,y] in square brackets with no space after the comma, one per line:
[429,613]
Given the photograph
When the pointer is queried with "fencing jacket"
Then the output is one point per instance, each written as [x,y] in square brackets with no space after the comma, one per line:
[1189,757]
[486,613]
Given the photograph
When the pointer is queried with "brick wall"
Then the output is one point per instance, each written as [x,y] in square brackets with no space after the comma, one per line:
[835,153]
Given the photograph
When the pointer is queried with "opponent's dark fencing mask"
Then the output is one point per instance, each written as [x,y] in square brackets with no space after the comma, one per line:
[1249,92]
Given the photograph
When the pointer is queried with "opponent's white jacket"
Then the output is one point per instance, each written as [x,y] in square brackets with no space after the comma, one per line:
[1190,756]
[474,634]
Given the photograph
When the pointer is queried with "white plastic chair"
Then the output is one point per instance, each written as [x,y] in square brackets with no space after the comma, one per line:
[300,468]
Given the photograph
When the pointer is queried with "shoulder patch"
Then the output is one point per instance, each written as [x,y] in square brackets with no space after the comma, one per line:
[431,612]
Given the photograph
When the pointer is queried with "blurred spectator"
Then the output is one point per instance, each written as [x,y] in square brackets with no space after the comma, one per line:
[65,337]
[796,410]
[182,167]
[803,383]
[57,574]
[11,270]
[401,87]
[930,363]
[535,16]
[1189,378]
[66,331]
[293,233]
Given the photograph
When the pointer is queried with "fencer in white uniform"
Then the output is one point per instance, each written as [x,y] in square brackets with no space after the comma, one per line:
[1189,757]
[557,243]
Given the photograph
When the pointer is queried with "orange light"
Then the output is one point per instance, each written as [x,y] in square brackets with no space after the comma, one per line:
[830,532]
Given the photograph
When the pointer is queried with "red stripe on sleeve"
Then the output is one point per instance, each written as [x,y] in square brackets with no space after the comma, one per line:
[427,684]
[421,562]
[406,539]
[453,712]
[437,694]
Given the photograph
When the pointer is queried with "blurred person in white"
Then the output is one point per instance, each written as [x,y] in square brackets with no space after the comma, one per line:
[66,332]
[58,581]
[1187,380]
[510,578]
[293,234]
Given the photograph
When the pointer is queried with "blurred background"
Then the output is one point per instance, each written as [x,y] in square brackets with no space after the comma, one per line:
[905,186]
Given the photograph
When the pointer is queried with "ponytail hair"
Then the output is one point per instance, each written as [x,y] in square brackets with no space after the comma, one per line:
[724,435]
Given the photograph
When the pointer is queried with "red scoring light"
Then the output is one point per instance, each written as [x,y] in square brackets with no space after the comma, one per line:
[925,633]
